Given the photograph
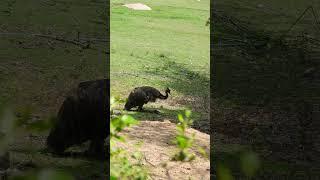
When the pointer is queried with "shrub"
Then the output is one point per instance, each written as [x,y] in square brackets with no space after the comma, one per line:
[120,165]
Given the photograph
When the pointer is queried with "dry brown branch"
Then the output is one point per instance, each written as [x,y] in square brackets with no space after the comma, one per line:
[63,40]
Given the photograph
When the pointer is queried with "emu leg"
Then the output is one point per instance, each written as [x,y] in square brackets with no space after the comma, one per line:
[156,111]
[152,111]
[140,108]
[96,149]
[148,111]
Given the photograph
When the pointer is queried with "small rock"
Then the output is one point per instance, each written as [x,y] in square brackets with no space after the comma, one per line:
[260,5]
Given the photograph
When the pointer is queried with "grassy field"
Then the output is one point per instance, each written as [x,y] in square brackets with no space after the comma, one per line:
[165,47]
[32,64]
[37,72]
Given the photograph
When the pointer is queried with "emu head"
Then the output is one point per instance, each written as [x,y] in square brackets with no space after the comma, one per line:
[168,90]
[59,139]
[127,106]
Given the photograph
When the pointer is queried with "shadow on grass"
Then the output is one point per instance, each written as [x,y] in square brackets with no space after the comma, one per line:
[261,82]
[275,82]
[180,78]
[193,86]
[268,69]
[167,114]
[164,114]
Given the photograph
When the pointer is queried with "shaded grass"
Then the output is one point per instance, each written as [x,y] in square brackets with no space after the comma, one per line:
[276,16]
[37,73]
[269,169]
[260,79]
[267,74]
[48,67]
[165,114]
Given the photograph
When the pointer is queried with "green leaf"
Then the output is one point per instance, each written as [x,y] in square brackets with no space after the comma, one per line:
[180,129]
[180,118]
[188,113]
[182,142]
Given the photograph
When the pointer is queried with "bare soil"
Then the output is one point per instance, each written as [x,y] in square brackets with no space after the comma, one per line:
[158,148]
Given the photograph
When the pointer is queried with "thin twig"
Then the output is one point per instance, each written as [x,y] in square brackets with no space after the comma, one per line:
[74,42]
[63,40]
[26,34]
[296,21]
[145,158]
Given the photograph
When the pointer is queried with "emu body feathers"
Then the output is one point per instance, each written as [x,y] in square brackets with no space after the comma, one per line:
[83,116]
[142,95]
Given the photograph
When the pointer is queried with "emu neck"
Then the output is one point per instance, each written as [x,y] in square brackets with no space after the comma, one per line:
[164,97]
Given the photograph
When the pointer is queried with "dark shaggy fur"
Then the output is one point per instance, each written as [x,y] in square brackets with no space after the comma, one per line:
[142,95]
[84,115]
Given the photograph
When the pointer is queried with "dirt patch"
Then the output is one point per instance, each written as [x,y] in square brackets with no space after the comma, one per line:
[157,148]
[138,6]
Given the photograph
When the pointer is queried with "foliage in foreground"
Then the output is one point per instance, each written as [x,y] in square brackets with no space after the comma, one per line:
[8,127]
[120,165]
[182,141]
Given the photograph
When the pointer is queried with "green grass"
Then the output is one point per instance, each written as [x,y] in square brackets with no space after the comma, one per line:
[165,47]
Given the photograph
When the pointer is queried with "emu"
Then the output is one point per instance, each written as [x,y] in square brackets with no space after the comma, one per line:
[142,95]
[83,116]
